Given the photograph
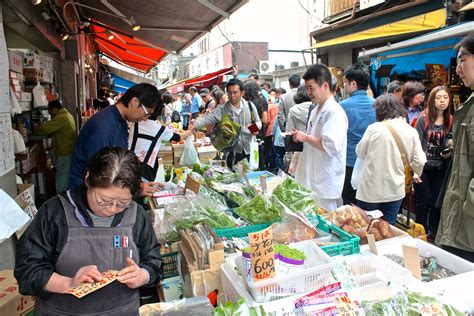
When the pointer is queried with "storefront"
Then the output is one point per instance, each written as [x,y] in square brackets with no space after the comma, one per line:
[429,58]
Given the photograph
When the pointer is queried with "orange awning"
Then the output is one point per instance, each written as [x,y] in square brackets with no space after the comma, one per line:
[127,49]
[204,80]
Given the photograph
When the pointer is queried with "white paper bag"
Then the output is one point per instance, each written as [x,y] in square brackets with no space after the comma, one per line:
[254,158]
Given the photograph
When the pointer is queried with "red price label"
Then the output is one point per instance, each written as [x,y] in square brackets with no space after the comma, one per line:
[262,254]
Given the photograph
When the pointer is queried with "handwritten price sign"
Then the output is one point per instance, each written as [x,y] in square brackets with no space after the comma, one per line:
[262,254]
[83,289]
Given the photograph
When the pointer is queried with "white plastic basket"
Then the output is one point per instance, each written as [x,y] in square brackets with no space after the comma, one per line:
[377,277]
[234,288]
[315,275]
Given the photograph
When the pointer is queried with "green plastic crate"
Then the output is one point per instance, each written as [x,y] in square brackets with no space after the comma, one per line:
[348,244]
[239,232]
[170,264]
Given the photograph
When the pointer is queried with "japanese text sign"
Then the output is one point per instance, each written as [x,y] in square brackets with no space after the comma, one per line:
[83,289]
[262,254]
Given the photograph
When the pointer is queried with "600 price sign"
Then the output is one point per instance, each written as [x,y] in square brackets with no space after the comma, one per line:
[262,254]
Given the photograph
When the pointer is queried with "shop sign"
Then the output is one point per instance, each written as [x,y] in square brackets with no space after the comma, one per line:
[212,61]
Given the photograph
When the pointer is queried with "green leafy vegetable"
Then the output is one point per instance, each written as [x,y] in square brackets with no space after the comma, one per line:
[295,196]
[290,253]
[259,211]
[240,199]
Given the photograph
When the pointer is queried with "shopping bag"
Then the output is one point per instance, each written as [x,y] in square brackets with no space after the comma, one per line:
[356,173]
[189,157]
[226,133]
[254,157]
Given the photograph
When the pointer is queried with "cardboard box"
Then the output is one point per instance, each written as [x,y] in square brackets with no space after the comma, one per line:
[25,96]
[31,60]
[15,61]
[26,200]
[25,105]
[12,303]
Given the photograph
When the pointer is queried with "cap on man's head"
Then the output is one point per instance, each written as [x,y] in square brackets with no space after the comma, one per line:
[193,88]
[204,92]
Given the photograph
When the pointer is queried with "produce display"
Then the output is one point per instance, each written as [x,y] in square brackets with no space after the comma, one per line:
[295,196]
[355,221]
[430,269]
[259,210]
[409,304]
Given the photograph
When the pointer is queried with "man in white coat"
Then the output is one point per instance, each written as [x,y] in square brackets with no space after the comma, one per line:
[321,166]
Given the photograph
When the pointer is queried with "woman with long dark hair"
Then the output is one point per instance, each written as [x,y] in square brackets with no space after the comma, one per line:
[433,126]
[413,95]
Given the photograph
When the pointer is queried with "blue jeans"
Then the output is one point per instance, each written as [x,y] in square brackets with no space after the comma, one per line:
[389,209]
[279,154]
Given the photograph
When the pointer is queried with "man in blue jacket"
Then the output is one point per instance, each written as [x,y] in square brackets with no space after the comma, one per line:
[360,114]
[109,128]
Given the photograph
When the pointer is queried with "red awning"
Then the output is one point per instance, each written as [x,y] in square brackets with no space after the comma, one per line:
[127,49]
[204,80]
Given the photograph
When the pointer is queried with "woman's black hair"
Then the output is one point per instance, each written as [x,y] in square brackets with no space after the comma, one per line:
[387,107]
[114,166]
[301,95]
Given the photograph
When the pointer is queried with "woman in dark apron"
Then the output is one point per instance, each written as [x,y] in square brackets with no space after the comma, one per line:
[81,233]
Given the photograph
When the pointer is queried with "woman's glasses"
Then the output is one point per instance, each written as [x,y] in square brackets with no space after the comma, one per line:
[112,203]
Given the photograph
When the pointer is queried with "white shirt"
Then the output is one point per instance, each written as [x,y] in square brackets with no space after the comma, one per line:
[148,127]
[323,171]
[382,178]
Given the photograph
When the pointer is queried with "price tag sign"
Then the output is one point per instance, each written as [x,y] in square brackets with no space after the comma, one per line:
[192,185]
[83,289]
[411,259]
[263,184]
[345,305]
[262,254]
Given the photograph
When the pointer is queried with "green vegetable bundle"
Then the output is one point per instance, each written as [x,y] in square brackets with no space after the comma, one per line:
[405,304]
[259,210]
[240,199]
[290,253]
[295,196]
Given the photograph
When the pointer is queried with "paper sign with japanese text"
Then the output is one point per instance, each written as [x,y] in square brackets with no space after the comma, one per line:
[83,289]
[411,259]
[192,185]
[262,254]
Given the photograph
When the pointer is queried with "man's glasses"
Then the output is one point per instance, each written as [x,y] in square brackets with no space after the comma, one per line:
[110,204]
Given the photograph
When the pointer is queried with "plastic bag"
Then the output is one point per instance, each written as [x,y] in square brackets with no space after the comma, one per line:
[259,210]
[254,157]
[349,215]
[189,157]
[293,228]
[356,173]
[39,97]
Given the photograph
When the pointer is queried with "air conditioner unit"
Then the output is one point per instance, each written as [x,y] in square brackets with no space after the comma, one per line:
[264,67]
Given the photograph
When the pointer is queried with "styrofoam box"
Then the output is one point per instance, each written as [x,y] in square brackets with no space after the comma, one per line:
[25,96]
[15,60]
[31,60]
[316,273]
[25,105]
[447,260]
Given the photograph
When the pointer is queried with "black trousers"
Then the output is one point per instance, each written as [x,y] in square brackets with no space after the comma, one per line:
[348,193]
[233,158]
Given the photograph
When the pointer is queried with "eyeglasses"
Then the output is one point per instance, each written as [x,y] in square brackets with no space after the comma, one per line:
[113,203]
[144,110]
[233,92]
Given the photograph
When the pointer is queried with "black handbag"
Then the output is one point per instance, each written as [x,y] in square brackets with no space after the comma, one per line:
[291,145]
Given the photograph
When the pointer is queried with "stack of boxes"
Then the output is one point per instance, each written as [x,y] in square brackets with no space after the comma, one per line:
[46,67]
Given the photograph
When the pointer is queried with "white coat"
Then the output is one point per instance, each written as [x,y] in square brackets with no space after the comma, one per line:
[323,171]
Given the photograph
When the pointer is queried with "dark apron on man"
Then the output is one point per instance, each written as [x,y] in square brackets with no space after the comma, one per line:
[85,246]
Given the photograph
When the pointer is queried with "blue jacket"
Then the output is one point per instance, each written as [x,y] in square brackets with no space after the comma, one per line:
[276,132]
[360,114]
[105,128]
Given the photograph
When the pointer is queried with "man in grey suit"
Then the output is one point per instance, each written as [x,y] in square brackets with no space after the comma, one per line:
[286,101]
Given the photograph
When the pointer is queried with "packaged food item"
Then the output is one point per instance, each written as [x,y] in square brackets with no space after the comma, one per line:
[293,228]
[350,215]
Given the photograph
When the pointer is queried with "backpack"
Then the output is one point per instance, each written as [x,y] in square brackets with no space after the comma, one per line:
[146,171]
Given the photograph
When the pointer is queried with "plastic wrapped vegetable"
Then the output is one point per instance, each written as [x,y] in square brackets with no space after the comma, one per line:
[409,304]
[259,210]
[295,196]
